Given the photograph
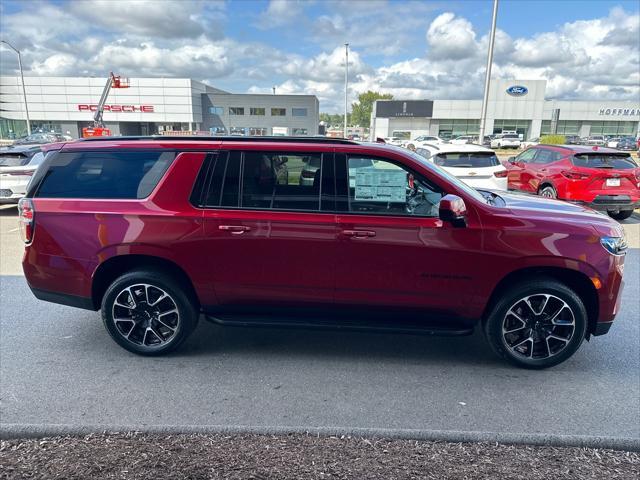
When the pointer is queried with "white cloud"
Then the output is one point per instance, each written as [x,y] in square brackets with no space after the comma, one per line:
[450,37]
[584,59]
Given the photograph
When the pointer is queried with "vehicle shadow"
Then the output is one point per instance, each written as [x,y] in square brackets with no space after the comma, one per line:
[8,210]
[214,339]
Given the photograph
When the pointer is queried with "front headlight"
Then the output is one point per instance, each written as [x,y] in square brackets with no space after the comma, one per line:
[614,245]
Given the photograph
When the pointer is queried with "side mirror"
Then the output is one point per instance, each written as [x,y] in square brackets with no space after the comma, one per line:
[511,160]
[452,209]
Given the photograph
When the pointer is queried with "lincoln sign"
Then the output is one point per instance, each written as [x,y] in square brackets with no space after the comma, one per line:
[118,108]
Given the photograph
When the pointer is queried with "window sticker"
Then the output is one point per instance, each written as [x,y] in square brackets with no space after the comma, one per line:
[381,185]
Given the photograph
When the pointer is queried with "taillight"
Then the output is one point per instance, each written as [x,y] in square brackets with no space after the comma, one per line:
[575,175]
[500,173]
[26,219]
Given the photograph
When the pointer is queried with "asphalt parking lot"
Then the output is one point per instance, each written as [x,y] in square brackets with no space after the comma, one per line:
[59,367]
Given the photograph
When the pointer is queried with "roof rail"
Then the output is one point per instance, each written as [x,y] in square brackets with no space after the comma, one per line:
[233,138]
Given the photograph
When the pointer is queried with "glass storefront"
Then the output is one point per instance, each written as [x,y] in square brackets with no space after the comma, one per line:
[613,128]
[456,127]
[521,127]
[11,129]
[565,127]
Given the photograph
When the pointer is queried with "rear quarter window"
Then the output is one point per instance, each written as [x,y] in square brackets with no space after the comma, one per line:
[114,174]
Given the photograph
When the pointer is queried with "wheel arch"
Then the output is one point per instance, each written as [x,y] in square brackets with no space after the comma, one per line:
[577,281]
[118,265]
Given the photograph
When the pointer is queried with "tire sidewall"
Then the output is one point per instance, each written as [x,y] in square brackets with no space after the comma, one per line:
[186,310]
[493,325]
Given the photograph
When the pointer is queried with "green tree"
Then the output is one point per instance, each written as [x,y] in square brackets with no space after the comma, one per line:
[361,110]
[332,120]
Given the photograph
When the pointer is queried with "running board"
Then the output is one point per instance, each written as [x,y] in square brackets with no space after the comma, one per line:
[322,323]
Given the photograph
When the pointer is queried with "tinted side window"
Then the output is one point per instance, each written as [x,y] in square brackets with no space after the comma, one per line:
[283,181]
[384,188]
[105,174]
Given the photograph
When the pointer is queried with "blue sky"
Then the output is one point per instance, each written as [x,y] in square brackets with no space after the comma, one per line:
[412,49]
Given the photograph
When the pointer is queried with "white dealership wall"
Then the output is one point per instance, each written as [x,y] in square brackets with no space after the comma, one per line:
[532,107]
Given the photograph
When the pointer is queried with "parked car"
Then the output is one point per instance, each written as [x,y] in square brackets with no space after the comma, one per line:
[464,139]
[393,140]
[155,232]
[596,140]
[507,140]
[475,165]
[530,143]
[428,139]
[613,142]
[17,166]
[627,144]
[601,178]
[572,140]
[39,138]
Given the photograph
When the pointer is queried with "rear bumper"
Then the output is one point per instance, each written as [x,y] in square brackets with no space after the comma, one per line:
[63,299]
[605,203]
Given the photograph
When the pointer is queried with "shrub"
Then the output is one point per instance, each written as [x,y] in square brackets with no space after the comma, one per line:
[553,139]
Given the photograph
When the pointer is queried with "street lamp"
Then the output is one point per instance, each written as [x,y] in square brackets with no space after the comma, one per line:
[487,79]
[346,84]
[24,92]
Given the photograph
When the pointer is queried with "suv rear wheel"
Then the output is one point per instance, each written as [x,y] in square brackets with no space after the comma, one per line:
[148,313]
[621,215]
[537,324]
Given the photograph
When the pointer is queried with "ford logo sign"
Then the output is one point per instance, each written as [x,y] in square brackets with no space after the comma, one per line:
[517,91]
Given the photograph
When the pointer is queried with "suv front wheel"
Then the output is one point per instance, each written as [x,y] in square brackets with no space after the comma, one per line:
[537,324]
[148,313]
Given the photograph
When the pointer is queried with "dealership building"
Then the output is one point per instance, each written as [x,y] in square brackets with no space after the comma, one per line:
[519,105]
[150,106]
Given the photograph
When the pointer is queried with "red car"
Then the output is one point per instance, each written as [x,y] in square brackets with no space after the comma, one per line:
[156,231]
[604,179]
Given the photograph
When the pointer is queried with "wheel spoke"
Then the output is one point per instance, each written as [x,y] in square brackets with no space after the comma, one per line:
[556,337]
[143,316]
[168,326]
[513,330]
[544,305]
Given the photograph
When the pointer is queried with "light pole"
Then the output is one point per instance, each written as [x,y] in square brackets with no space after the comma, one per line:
[24,92]
[487,80]
[346,84]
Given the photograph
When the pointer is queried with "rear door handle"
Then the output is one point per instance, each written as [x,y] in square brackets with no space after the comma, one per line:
[234,229]
[359,233]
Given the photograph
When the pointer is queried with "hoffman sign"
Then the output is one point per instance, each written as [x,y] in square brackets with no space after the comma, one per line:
[118,108]
[626,112]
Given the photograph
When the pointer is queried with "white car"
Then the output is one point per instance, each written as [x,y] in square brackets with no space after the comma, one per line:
[530,143]
[17,166]
[506,140]
[464,139]
[475,165]
[613,142]
[393,141]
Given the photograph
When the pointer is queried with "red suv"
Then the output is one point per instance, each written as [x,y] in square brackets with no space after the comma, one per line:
[601,178]
[156,231]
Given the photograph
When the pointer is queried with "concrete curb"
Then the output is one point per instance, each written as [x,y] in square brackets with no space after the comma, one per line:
[17,431]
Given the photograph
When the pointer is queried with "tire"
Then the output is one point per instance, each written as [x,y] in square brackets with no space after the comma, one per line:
[158,331]
[513,334]
[548,192]
[621,215]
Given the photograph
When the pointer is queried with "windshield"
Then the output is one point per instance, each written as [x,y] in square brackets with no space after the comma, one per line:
[467,159]
[511,135]
[450,178]
[595,160]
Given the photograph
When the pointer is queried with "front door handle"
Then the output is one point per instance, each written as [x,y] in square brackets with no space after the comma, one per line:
[359,233]
[234,229]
